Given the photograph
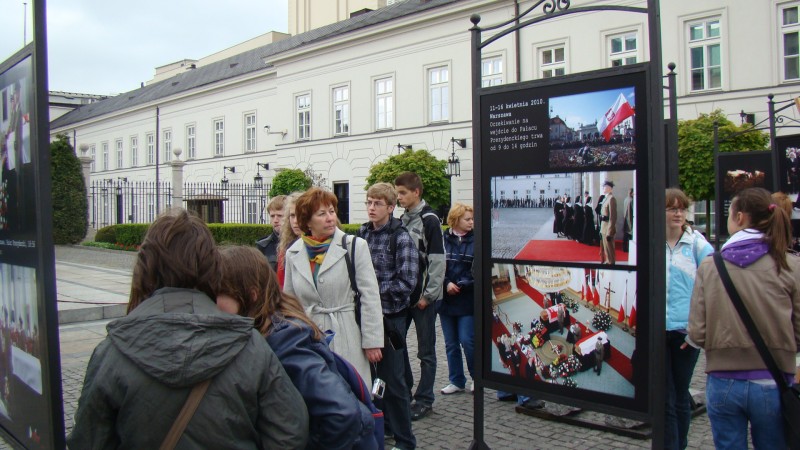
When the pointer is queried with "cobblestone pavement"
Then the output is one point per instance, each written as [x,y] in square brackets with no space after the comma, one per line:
[512,228]
[448,427]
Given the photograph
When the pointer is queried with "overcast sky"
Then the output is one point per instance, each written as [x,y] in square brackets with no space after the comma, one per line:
[111,46]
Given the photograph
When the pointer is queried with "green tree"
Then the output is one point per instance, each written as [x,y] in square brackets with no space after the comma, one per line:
[436,185]
[288,181]
[69,193]
[696,151]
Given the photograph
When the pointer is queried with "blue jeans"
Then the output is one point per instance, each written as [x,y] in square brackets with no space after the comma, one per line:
[458,332]
[679,367]
[396,402]
[425,323]
[733,403]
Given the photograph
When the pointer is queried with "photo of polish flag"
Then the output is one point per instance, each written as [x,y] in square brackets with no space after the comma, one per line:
[620,111]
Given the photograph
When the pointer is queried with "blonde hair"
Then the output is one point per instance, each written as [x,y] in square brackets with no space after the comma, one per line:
[457,212]
[383,191]
[287,234]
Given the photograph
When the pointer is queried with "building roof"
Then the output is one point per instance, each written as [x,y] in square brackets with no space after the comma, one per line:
[243,63]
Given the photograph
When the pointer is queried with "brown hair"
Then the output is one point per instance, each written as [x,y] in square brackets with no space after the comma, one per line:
[457,212]
[383,191]
[246,272]
[178,251]
[410,181]
[767,218]
[276,204]
[783,201]
[677,196]
[287,234]
[308,203]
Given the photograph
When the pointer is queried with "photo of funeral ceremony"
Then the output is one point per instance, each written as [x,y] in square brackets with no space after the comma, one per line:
[571,326]
[593,129]
[585,217]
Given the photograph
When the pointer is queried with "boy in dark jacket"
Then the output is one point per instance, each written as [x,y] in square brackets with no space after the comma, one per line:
[268,245]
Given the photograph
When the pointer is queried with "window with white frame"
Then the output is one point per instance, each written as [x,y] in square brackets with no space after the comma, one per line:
[134,151]
[384,103]
[623,49]
[219,137]
[167,145]
[105,155]
[492,71]
[303,110]
[93,154]
[151,148]
[705,54]
[439,94]
[552,61]
[118,144]
[341,110]
[250,132]
[252,211]
[191,143]
[790,41]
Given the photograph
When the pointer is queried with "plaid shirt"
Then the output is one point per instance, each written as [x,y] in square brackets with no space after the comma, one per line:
[397,274]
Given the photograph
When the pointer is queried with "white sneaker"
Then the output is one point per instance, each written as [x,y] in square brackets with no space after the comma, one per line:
[472,387]
[451,389]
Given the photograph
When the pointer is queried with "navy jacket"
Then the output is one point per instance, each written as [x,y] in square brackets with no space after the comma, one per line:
[459,251]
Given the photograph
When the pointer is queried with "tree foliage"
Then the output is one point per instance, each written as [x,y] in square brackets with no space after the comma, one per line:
[436,185]
[288,181]
[696,150]
[69,193]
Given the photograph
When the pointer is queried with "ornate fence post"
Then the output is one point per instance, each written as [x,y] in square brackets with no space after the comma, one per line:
[86,165]
[177,178]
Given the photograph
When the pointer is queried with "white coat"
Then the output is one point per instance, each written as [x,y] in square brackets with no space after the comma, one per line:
[330,303]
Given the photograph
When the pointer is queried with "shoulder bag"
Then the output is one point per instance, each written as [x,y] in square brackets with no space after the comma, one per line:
[790,395]
[192,402]
[349,258]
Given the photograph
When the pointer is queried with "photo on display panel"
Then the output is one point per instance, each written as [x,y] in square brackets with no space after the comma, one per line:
[560,217]
[570,326]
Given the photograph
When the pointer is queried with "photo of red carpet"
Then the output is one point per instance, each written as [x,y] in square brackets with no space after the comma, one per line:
[566,251]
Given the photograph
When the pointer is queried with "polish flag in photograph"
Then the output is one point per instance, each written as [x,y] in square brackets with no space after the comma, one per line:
[620,111]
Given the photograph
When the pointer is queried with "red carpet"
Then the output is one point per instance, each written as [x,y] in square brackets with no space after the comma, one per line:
[618,361]
[566,250]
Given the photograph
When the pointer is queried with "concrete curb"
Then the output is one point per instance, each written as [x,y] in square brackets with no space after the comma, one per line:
[92,313]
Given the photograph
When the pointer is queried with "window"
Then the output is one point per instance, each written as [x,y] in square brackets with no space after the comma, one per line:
[191,143]
[341,110]
[134,151]
[219,137]
[249,132]
[552,62]
[790,45]
[705,55]
[303,104]
[93,154]
[439,94]
[623,49]
[105,155]
[384,103]
[167,145]
[492,71]
[118,145]
[252,211]
[151,148]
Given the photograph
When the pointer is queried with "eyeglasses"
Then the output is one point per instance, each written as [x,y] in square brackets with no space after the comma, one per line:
[375,204]
[676,210]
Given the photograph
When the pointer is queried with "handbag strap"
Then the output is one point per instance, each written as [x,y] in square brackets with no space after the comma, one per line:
[192,402]
[351,268]
[769,361]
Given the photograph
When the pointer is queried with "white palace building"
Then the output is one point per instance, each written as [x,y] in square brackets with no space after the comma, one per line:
[355,79]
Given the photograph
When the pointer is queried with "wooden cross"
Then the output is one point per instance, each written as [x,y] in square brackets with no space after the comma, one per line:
[607,300]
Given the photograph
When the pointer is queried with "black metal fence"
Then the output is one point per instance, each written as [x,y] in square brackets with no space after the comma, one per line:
[119,201]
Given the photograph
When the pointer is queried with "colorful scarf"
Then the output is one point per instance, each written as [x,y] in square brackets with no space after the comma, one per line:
[316,249]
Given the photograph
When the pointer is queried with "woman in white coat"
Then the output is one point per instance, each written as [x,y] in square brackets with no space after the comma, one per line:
[316,273]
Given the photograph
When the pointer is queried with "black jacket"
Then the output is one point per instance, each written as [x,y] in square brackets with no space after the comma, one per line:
[268,245]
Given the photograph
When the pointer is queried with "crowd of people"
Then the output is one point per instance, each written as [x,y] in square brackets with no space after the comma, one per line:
[586,155]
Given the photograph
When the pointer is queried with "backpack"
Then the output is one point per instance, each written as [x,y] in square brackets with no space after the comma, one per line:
[364,395]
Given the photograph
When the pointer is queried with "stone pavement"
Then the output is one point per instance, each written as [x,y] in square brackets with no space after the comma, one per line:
[448,427]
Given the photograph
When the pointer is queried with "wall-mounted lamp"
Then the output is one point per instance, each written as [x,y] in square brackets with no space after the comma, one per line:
[453,168]
[747,118]
[281,132]
[258,180]
[123,179]
[225,180]
[403,147]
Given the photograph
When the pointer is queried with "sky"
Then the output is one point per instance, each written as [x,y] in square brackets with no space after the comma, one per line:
[109,47]
[588,107]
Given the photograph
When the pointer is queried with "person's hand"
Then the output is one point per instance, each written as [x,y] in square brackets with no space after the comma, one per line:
[374,355]
[453,288]
[684,345]
[422,303]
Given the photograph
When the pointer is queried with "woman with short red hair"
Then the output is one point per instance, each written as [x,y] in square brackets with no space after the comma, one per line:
[317,274]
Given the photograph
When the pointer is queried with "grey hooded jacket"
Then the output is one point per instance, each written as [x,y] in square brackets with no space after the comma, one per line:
[139,377]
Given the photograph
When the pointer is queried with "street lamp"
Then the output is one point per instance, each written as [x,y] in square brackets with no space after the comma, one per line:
[453,163]
[258,180]
[225,180]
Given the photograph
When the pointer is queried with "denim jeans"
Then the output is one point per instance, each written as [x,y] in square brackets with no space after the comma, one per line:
[679,367]
[733,403]
[425,323]
[458,332]
[396,402]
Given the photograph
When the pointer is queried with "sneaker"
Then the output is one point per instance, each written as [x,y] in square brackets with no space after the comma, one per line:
[472,387]
[419,411]
[451,389]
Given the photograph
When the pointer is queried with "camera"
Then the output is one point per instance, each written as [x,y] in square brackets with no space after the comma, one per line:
[378,388]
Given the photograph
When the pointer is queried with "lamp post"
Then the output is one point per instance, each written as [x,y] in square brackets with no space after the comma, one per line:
[225,180]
